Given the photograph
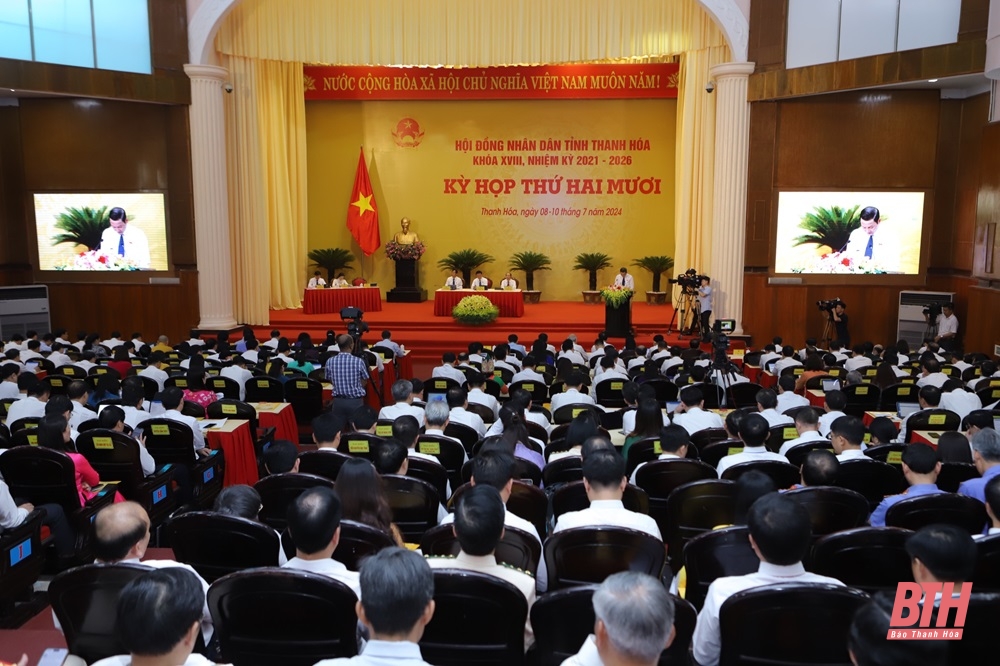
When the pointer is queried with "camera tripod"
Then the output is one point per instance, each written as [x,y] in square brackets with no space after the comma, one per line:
[687,305]
[828,329]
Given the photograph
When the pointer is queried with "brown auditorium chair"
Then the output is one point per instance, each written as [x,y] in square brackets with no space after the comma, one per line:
[529,502]
[573,497]
[261,388]
[661,477]
[591,554]
[979,632]
[953,509]
[516,548]
[873,479]
[831,509]
[887,453]
[279,491]
[784,475]
[430,471]
[868,558]
[932,419]
[892,395]
[953,474]
[712,452]
[22,557]
[564,470]
[463,433]
[360,444]
[788,624]
[457,634]
[451,454]
[172,442]
[567,413]
[695,508]
[326,463]
[987,574]
[271,616]
[742,395]
[414,505]
[797,454]
[227,386]
[862,398]
[306,398]
[779,435]
[724,552]
[643,450]
[216,544]
[438,386]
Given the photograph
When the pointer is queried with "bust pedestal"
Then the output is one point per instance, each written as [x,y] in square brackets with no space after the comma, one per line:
[407,289]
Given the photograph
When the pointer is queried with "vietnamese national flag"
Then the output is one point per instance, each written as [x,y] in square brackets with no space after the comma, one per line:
[362,216]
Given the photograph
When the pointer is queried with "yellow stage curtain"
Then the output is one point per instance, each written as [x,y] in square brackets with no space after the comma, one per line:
[267,186]
[464,32]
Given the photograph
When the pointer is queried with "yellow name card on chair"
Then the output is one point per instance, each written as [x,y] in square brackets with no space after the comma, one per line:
[357,446]
[160,429]
[789,433]
[861,390]
[430,448]
[229,409]
[383,430]
[895,457]
[103,443]
[936,419]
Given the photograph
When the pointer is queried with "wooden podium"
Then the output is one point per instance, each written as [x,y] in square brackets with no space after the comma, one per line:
[618,321]
[407,289]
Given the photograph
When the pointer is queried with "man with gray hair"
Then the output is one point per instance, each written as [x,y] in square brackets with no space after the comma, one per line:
[397,602]
[436,418]
[634,622]
[986,457]
[402,393]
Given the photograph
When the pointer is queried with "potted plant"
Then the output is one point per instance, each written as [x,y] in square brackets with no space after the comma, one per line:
[592,262]
[332,260]
[464,261]
[475,310]
[529,262]
[657,265]
[81,226]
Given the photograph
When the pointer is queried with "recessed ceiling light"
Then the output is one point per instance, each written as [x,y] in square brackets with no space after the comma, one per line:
[932,80]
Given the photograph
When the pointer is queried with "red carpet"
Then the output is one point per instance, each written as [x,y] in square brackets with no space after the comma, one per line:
[415,326]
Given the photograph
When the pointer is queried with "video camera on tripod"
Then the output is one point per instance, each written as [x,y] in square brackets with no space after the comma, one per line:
[932,311]
[828,306]
[690,279]
[356,327]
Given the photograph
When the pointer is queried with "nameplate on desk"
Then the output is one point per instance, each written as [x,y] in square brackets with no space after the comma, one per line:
[383,430]
[739,353]
[301,384]
[160,429]
[936,419]
[357,446]
[430,448]
[789,433]
[861,390]
[229,409]
[895,458]
[617,386]
[103,443]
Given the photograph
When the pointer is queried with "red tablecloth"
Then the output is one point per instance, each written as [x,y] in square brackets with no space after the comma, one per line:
[15,642]
[281,417]
[752,373]
[321,301]
[511,303]
[767,380]
[236,443]
[816,397]
[871,416]
[926,437]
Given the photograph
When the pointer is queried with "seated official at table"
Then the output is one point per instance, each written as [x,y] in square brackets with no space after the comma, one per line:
[480,281]
[453,281]
[508,282]
[340,282]
[316,282]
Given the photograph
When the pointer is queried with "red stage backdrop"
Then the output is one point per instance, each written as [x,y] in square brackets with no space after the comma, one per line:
[617,81]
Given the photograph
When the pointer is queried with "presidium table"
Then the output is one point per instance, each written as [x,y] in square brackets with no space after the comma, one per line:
[325,301]
[510,301]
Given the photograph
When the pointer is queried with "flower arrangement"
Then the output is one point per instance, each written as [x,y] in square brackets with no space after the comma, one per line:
[839,263]
[616,296]
[94,260]
[397,251]
[475,310]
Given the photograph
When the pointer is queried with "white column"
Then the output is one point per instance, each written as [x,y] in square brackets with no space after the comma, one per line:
[211,196]
[729,201]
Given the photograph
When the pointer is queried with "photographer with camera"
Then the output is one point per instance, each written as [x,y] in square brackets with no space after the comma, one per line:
[705,301]
[943,317]
[836,315]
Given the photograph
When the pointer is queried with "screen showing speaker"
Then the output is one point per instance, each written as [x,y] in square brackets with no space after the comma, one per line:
[852,233]
[99,231]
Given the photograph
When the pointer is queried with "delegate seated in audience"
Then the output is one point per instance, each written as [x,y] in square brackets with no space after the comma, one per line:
[281,457]
[326,431]
[929,397]
[819,469]
[13,514]
[767,401]
[691,414]
[858,359]
[514,438]
[196,392]
[237,371]
[807,428]
[955,398]
[986,458]
[992,492]
[868,643]
[780,535]
[458,401]
[172,398]
[572,393]
[78,392]
[244,502]
[813,367]
[834,403]
[478,526]
[581,428]
[449,369]
[674,441]
[733,420]
[154,369]
[396,603]
[787,360]
[133,400]
[942,553]
[33,404]
[921,467]
[8,387]
[604,480]
[391,457]
[314,525]
[157,620]
[120,361]
[478,395]
[847,435]
[436,419]
[54,433]
[362,498]
[633,622]
[930,373]
[882,430]
[108,388]
[528,373]
[363,419]
[121,535]
[648,422]
[113,418]
[787,397]
[402,393]
[753,432]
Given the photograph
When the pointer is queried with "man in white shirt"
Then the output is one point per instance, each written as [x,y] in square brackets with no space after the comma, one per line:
[57,356]
[316,281]
[125,240]
[113,418]
[154,370]
[8,385]
[624,279]
[402,393]
[768,356]
[33,404]
[947,325]
[691,414]
[252,355]
[807,427]
[858,360]
[314,525]
[32,352]
[78,392]
[13,514]
[480,281]
[787,360]
[767,401]
[508,282]
[458,400]
[753,434]
[674,442]
[834,403]
[172,399]
[396,604]
[114,341]
[873,242]
[448,368]
[528,372]
[513,344]
[931,373]
[955,398]
[929,397]
[477,394]
[436,419]
[568,351]
[607,368]
[272,342]
[604,480]
[780,535]
[388,343]
[787,397]
[634,622]
[237,371]
[847,436]
[453,281]
[572,393]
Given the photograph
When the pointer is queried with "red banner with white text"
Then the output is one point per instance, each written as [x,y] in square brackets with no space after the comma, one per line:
[597,81]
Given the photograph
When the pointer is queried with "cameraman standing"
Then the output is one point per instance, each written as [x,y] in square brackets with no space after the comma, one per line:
[705,300]
[839,318]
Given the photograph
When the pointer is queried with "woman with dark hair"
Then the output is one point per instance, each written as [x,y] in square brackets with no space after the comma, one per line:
[581,428]
[93,344]
[903,348]
[515,437]
[564,367]
[276,369]
[108,388]
[301,363]
[650,370]
[813,367]
[196,391]
[362,498]
[121,362]
[54,433]
[304,342]
[248,334]
[648,422]
[330,343]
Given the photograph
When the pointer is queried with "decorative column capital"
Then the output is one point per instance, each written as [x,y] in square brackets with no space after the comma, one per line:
[727,70]
[206,72]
